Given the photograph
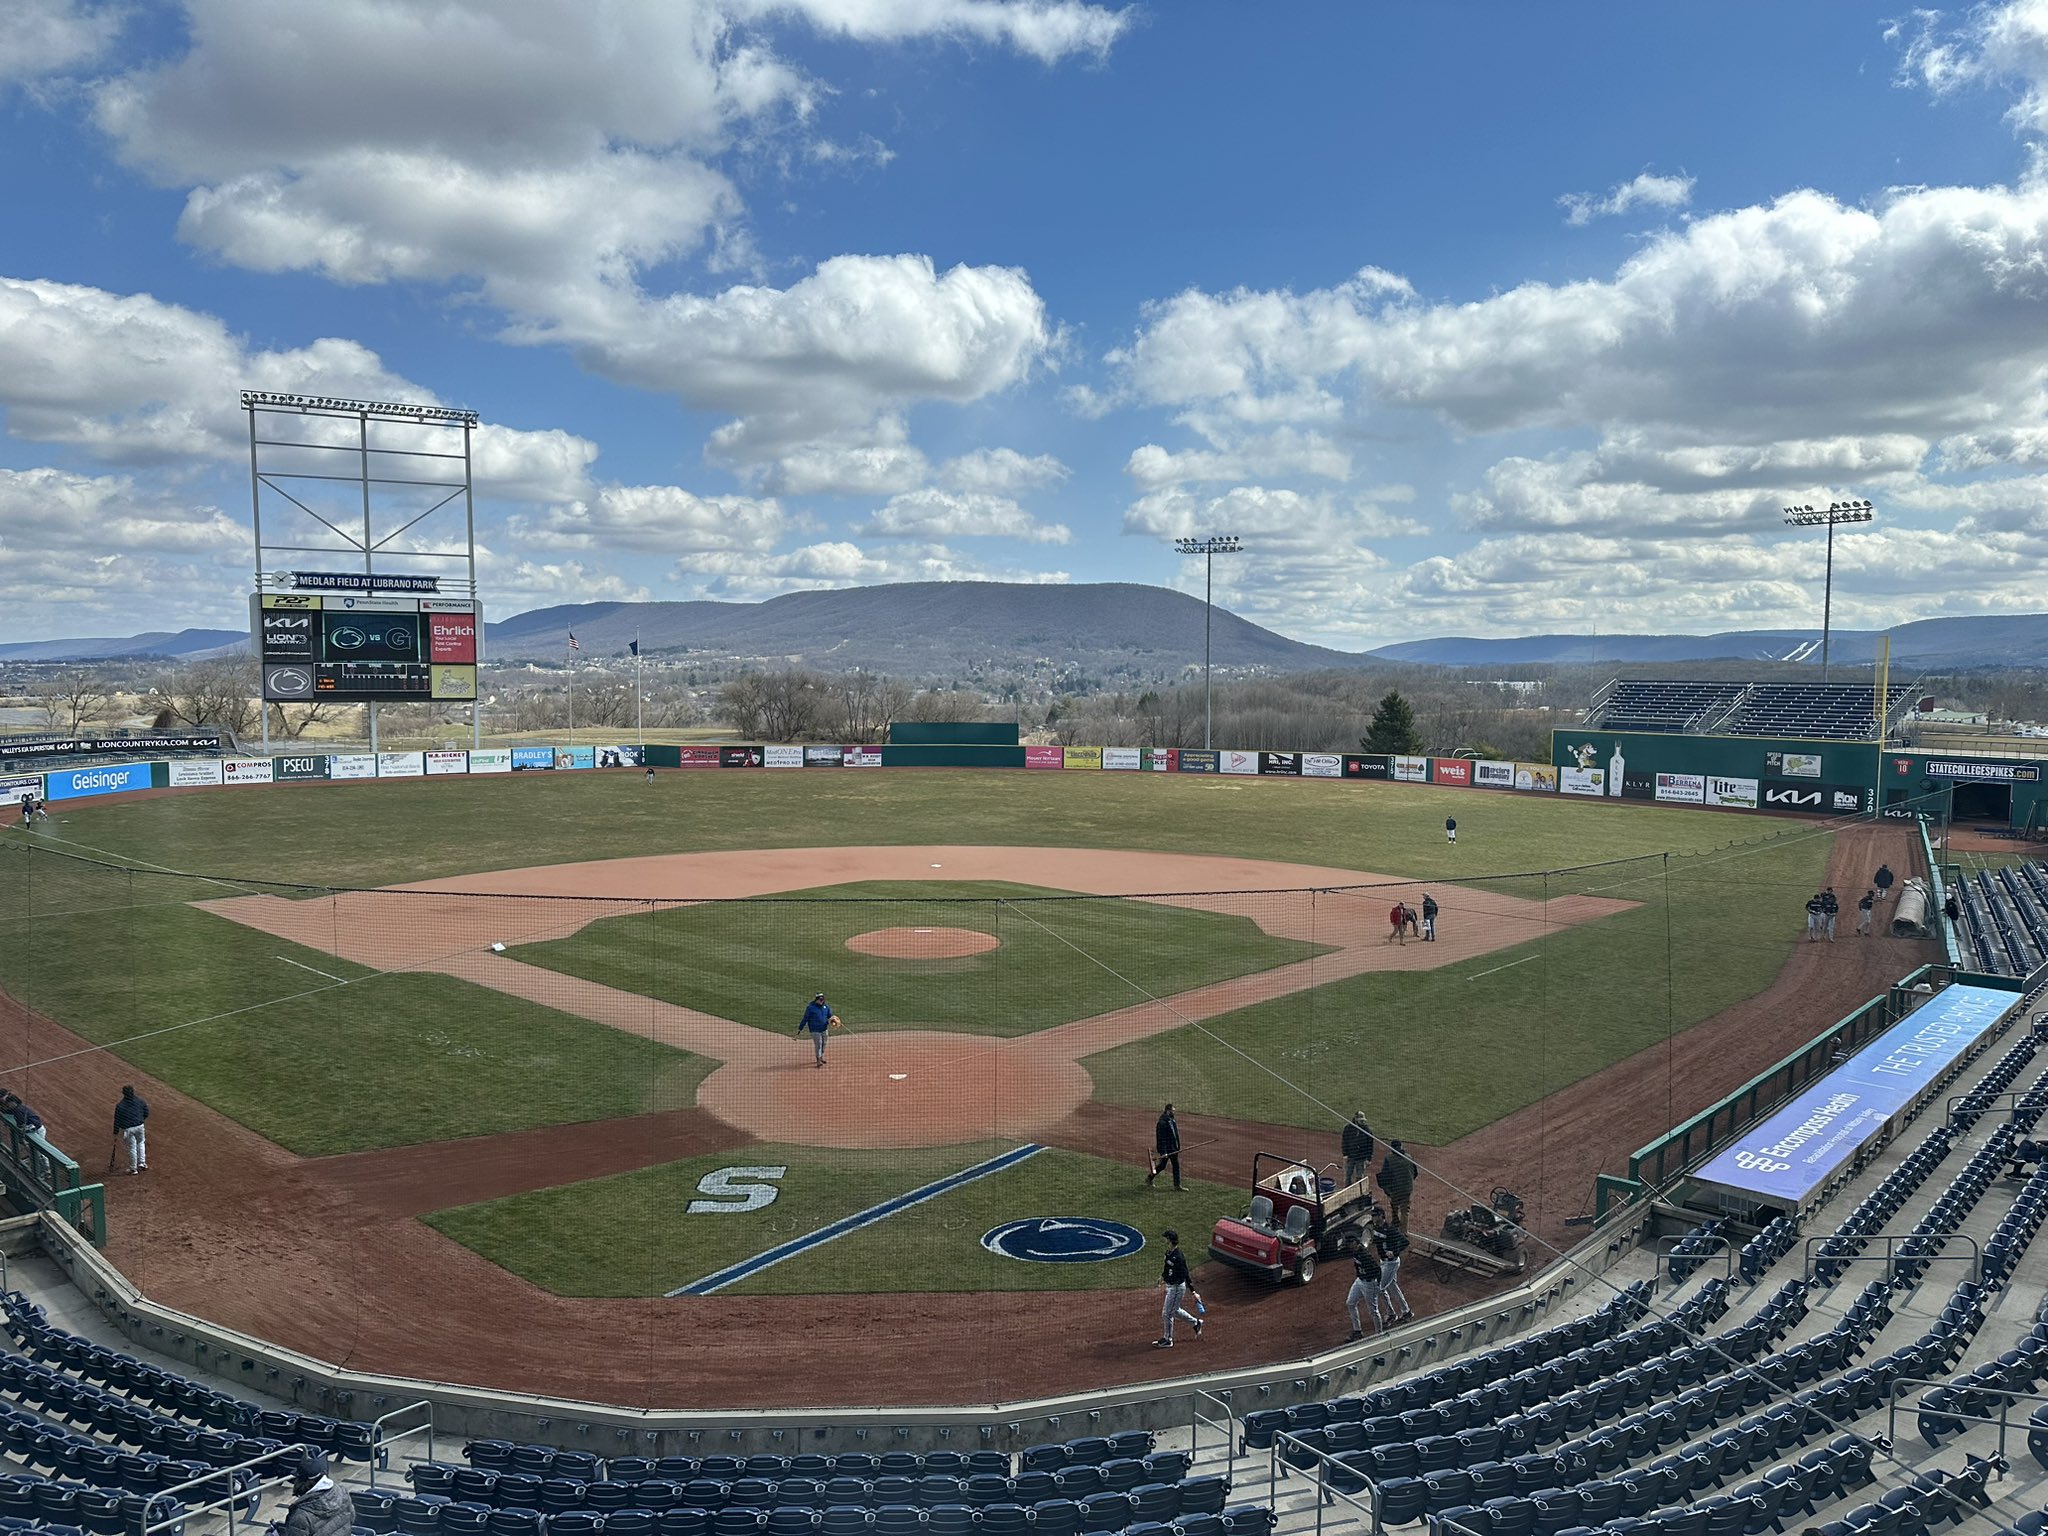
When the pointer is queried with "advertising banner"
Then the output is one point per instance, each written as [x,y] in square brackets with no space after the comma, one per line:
[1162,759]
[697,757]
[491,760]
[1796,1150]
[451,637]
[1582,781]
[524,758]
[77,783]
[246,770]
[782,757]
[1682,788]
[1285,765]
[1637,786]
[619,757]
[1540,777]
[860,757]
[351,765]
[1082,757]
[1793,765]
[1451,770]
[1237,762]
[447,762]
[1410,770]
[575,757]
[401,765]
[1981,771]
[1321,765]
[73,746]
[1739,794]
[1357,766]
[194,773]
[1823,799]
[1196,760]
[828,757]
[739,757]
[1045,757]
[305,765]
[1122,759]
[14,785]
[1489,774]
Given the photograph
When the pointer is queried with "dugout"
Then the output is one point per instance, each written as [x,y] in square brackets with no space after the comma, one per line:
[2003,792]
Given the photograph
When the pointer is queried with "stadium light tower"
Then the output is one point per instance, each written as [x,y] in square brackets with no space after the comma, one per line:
[1209,549]
[1806,517]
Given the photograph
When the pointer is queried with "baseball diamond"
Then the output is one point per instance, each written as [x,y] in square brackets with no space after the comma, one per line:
[494,1081]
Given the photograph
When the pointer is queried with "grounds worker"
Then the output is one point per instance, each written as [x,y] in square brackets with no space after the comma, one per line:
[317,1507]
[131,1116]
[1165,1147]
[1397,1183]
[1358,1148]
[818,1020]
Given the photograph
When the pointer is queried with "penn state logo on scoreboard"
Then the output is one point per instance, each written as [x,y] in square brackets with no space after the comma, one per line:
[1063,1240]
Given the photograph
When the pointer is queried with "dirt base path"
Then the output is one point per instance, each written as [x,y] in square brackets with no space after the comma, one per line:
[321,1257]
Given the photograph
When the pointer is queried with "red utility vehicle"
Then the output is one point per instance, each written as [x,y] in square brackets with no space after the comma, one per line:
[1297,1216]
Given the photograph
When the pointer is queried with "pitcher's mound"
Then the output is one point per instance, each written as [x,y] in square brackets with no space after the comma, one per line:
[922,943]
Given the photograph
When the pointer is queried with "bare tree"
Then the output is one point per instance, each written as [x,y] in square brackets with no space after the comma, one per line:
[220,693]
[792,704]
[742,704]
[291,721]
[606,704]
[71,700]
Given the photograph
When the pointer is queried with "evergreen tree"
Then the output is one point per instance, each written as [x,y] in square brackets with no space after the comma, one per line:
[1393,728]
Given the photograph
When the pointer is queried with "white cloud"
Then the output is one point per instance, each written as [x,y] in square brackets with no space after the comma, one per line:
[657,520]
[39,38]
[839,563]
[1991,44]
[1646,191]
[1001,471]
[1047,30]
[875,461]
[1241,456]
[935,514]
[512,584]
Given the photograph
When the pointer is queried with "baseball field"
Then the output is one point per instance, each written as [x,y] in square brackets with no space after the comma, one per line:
[525,1048]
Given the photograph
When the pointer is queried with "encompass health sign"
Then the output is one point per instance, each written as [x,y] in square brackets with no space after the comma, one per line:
[1796,1150]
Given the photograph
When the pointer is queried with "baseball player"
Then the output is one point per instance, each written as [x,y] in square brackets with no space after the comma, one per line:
[1389,1242]
[1175,1277]
[1365,1287]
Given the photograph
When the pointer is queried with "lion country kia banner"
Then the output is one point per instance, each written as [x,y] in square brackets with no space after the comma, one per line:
[1791,1154]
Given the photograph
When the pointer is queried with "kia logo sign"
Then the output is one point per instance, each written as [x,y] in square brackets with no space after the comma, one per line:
[1063,1240]
[1791,797]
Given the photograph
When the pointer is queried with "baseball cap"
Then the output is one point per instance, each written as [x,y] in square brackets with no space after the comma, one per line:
[310,1467]
[1170,1235]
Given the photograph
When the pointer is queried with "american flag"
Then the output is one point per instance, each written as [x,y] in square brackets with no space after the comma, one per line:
[572,641]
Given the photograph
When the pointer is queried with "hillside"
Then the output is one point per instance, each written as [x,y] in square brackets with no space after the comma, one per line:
[959,628]
[184,643]
[1928,645]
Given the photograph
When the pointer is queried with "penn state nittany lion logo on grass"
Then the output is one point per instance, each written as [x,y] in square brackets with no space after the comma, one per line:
[1063,1240]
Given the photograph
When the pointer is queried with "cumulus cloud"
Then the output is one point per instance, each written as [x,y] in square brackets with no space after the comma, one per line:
[1001,471]
[41,38]
[1648,190]
[1047,30]
[936,514]
[839,563]
[1241,456]
[657,520]
[2001,45]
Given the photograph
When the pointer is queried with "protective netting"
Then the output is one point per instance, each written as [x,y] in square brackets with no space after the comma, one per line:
[582,1145]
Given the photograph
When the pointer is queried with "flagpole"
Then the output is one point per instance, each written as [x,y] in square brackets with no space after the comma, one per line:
[569,657]
[639,720]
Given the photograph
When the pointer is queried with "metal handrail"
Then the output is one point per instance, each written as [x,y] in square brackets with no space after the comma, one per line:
[1228,1424]
[2006,1101]
[2013,1397]
[1891,1240]
[380,1442]
[1325,1493]
[1726,1250]
[235,1498]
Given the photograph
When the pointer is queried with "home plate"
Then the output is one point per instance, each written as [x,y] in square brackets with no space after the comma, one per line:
[897,1077]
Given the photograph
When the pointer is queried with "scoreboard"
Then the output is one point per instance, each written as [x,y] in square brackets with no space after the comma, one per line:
[365,647]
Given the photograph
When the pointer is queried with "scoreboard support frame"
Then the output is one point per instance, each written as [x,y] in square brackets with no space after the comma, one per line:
[404,471]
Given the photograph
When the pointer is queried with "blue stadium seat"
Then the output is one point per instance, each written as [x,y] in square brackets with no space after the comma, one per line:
[675,1521]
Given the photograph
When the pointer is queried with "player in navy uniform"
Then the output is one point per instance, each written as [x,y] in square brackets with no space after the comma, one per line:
[1363,1299]
[1173,1274]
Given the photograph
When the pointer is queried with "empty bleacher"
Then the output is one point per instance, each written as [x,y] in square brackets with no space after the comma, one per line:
[1801,711]
[2004,924]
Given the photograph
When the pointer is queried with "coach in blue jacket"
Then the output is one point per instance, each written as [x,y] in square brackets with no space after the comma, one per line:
[818,1020]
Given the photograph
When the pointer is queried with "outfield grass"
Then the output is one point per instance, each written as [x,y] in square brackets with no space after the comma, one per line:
[1435,1055]
[243,1022]
[418,829]
[566,1240]
[1057,959]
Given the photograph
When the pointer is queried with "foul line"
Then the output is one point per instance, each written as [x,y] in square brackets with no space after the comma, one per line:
[718,1280]
[304,967]
[1508,967]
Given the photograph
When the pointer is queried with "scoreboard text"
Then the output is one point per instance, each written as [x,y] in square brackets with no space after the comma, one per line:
[363,647]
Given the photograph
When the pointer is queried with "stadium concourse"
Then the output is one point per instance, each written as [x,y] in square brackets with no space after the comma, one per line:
[323,1256]
[1848,1374]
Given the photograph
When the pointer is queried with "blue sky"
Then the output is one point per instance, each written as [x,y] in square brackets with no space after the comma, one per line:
[1477,319]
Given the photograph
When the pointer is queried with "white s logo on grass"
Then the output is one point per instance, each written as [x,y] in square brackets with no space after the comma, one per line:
[736,1190]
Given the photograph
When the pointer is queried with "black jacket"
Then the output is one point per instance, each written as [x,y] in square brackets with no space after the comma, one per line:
[1397,1175]
[329,1512]
[1429,907]
[130,1110]
[1390,1243]
[1175,1270]
[1358,1143]
[1166,1135]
